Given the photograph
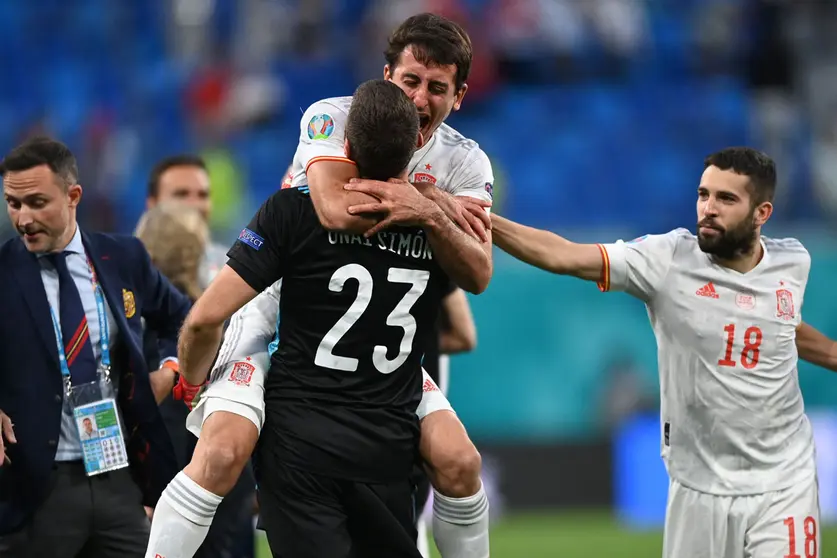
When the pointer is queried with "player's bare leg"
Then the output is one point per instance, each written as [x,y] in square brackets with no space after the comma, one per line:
[185,511]
[460,506]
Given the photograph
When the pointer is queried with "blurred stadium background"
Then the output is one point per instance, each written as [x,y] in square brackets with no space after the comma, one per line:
[597,115]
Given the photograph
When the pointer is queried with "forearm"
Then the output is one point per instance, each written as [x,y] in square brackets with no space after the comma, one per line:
[197,348]
[816,348]
[533,246]
[250,330]
[460,335]
[547,250]
[331,201]
[451,343]
[466,260]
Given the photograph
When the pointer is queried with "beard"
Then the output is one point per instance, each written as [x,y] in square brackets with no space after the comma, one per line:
[728,244]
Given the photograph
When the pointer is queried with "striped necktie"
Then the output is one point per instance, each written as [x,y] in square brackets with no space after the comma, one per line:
[77,345]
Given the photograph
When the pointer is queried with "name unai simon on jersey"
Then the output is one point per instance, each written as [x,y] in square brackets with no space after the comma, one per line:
[411,245]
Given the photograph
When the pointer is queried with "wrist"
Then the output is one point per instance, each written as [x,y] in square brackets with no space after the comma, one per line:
[171,367]
[434,217]
[427,190]
[184,378]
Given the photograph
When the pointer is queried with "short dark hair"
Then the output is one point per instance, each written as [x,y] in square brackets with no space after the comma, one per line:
[41,150]
[382,129]
[434,40]
[182,160]
[749,162]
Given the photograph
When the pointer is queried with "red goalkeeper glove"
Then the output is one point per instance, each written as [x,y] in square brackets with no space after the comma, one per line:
[186,392]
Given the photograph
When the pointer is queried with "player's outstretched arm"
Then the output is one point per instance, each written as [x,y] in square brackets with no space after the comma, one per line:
[547,250]
[203,328]
[816,348]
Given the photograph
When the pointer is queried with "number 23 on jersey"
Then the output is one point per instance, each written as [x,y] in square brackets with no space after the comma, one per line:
[399,317]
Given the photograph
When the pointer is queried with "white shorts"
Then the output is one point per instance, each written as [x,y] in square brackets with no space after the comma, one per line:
[771,525]
[238,388]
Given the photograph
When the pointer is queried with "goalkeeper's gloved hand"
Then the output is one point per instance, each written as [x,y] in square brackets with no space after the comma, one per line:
[186,392]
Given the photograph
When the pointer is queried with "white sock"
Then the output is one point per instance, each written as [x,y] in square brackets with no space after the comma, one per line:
[181,519]
[460,525]
[422,541]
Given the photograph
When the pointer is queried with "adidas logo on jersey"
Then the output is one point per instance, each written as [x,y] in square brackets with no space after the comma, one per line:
[708,290]
[429,386]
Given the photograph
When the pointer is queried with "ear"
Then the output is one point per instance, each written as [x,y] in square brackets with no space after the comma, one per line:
[347,148]
[388,72]
[457,102]
[74,194]
[763,212]
[420,141]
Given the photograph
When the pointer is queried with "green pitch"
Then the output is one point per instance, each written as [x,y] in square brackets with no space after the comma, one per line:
[578,534]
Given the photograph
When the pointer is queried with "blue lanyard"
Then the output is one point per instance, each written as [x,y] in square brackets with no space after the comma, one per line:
[104,333]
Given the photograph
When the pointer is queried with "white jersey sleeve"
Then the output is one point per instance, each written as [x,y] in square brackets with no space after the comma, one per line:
[639,267]
[322,132]
[475,177]
[250,329]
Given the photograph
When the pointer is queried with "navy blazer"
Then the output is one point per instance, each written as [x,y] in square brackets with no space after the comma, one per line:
[31,388]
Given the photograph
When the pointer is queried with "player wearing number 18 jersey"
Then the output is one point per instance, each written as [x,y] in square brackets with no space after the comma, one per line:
[725,306]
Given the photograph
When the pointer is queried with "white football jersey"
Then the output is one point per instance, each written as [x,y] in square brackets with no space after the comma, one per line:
[449,160]
[733,420]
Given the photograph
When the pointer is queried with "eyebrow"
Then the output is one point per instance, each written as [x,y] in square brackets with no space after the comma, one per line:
[432,81]
[28,197]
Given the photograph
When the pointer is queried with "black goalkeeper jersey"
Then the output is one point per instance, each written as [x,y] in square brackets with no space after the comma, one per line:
[356,316]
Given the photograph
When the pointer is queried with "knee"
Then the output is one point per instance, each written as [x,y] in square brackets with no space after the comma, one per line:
[219,459]
[458,474]
[226,459]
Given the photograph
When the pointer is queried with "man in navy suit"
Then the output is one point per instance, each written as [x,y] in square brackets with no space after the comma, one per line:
[71,304]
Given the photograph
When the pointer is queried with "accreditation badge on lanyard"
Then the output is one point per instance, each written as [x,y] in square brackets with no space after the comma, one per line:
[94,404]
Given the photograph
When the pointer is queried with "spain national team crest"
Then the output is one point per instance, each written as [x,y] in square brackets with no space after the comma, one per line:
[784,304]
[129,303]
[242,373]
[424,177]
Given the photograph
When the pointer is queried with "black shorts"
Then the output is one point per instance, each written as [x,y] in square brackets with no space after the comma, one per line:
[313,516]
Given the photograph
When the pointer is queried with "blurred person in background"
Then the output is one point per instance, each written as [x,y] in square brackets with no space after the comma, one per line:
[725,305]
[70,338]
[176,236]
[184,178]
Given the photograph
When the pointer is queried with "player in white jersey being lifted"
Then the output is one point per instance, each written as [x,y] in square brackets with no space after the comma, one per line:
[429,58]
[725,305]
